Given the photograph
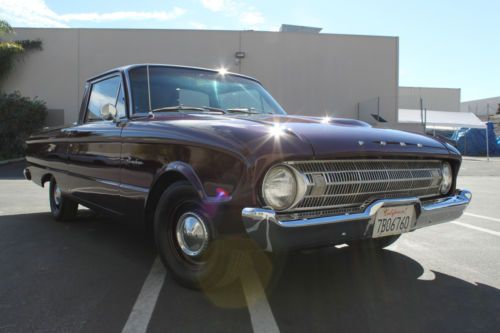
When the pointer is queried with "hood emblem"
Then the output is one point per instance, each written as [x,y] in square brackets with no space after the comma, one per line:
[384,143]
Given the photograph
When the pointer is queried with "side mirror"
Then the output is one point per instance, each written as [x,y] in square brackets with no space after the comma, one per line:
[108,112]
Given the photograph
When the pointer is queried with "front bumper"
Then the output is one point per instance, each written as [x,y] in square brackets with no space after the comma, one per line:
[271,234]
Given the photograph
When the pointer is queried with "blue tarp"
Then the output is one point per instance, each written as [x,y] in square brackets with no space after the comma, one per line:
[471,141]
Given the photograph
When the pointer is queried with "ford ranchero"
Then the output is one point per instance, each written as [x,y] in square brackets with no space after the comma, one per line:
[208,158]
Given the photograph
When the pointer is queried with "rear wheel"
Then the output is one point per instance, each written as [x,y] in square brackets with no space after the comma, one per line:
[186,242]
[61,207]
[375,244]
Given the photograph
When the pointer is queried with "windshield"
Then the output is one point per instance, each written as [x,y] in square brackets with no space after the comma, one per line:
[171,87]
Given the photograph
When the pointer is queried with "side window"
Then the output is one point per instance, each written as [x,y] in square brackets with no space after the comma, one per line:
[102,93]
[139,87]
[120,103]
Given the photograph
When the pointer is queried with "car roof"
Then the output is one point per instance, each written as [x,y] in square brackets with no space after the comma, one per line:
[127,68]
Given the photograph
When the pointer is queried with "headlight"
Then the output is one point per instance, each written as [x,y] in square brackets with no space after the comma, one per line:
[447,178]
[282,187]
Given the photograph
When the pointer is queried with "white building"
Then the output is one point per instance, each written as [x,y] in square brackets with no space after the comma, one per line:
[308,73]
[482,107]
[439,99]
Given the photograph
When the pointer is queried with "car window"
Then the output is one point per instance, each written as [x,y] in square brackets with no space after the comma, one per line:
[193,97]
[120,103]
[170,87]
[139,87]
[102,93]
[244,99]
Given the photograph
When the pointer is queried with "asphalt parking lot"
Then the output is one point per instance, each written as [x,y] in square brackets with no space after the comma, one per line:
[101,275]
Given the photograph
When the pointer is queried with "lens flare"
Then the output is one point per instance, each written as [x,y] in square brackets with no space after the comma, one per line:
[326,120]
[277,131]
[222,71]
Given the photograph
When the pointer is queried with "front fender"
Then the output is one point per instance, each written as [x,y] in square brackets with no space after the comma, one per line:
[178,168]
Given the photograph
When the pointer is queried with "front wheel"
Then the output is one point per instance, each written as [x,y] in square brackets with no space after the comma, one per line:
[61,207]
[186,242]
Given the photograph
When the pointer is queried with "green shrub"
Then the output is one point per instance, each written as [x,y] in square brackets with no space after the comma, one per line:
[19,118]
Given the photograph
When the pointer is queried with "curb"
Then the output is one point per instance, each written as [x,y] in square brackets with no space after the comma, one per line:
[13,160]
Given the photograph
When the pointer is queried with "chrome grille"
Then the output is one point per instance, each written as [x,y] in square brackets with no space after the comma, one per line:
[291,216]
[354,183]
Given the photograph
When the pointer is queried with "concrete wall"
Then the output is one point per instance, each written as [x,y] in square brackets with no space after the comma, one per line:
[312,74]
[482,107]
[439,99]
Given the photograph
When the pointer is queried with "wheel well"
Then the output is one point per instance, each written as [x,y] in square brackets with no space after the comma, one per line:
[46,178]
[157,190]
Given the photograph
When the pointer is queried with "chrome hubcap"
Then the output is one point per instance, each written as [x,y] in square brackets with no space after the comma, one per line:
[192,234]
[57,196]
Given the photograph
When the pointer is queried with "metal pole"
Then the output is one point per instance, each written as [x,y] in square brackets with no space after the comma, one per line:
[421,110]
[378,109]
[487,144]
[425,120]
[465,143]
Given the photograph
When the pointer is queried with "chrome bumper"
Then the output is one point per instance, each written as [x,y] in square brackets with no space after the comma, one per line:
[272,234]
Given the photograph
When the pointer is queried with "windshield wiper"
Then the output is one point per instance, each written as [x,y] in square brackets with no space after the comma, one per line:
[245,110]
[177,108]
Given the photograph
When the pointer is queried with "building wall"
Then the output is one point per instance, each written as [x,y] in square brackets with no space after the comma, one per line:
[482,107]
[438,99]
[312,74]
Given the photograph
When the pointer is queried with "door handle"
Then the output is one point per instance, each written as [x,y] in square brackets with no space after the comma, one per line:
[69,132]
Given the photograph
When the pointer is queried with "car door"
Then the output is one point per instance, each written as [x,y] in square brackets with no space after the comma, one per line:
[95,146]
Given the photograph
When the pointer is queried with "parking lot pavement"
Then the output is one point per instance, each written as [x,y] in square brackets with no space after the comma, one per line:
[99,275]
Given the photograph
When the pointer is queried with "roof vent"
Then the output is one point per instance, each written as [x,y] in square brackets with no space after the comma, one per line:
[299,28]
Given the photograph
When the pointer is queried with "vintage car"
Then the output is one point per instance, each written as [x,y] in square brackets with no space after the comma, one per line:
[210,160]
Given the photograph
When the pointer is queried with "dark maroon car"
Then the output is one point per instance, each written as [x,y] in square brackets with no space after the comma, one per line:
[212,163]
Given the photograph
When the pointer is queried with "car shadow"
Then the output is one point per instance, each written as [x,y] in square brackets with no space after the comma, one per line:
[350,291]
[12,170]
[74,276]
[85,276]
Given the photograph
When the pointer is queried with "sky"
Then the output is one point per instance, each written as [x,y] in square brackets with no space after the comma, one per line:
[442,43]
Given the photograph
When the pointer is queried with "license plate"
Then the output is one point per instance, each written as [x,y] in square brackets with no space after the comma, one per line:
[393,220]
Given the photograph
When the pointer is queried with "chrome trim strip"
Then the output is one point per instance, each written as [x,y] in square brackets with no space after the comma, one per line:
[364,160]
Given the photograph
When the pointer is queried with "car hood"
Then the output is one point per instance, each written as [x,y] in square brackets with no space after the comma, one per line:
[296,136]
[339,136]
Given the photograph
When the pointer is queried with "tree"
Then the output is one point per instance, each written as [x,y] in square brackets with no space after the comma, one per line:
[19,116]
[10,50]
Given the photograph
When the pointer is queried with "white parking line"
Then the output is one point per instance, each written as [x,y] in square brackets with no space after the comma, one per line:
[138,319]
[261,316]
[496,233]
[482,217]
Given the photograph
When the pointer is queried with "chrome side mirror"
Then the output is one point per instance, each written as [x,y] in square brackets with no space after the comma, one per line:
[108,112]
